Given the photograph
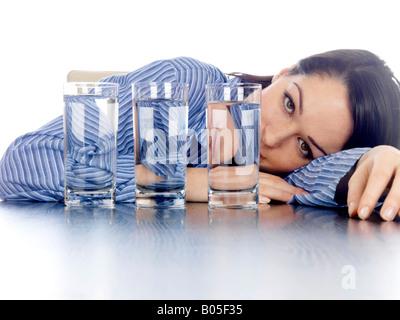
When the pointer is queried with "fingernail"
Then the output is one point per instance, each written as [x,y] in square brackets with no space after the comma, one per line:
[388,214]
[364,213]
[352,206]
[265,200]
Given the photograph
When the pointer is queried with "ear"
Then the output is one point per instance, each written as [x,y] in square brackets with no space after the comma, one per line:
[283,72]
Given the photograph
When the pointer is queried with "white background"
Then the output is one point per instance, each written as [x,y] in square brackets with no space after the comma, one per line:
[42,40]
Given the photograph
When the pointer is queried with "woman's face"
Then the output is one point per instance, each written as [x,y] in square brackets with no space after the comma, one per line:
[302,118]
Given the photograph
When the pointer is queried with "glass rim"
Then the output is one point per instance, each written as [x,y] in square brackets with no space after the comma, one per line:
[80,88]
[90,84]
[146,83]
[234,85]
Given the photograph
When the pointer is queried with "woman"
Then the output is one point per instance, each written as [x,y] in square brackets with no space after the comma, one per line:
[320,120]
[363,83]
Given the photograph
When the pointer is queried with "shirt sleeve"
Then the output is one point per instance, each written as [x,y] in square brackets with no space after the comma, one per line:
[33,167]
[321,177]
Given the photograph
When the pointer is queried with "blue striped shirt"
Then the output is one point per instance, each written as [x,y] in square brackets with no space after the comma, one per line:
[32,167]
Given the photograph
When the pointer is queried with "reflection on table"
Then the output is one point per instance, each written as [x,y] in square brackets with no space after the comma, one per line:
[274,251]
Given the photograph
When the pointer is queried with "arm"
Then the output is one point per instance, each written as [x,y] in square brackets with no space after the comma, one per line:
[271,187]
[32,167]
[197,185]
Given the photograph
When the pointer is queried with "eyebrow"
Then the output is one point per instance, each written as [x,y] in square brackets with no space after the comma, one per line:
[301,111]
[300,98]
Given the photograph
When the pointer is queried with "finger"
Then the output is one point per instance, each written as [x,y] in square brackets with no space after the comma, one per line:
[378,180]
[391,205]
[275,193]
[356,188]
[279,183]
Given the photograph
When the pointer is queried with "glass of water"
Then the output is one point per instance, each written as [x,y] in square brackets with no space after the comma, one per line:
[233,130]
[90,139]
[160,122]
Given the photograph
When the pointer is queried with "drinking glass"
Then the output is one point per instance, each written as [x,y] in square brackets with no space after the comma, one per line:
[160,122]
[90,139]
[233,130]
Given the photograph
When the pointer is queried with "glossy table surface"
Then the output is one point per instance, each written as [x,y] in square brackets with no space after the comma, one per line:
[275,252]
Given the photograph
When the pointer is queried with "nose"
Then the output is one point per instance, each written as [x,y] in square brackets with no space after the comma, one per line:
[275,135]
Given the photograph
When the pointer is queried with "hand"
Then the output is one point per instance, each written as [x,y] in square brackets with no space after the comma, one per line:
[275,188]
[377,170]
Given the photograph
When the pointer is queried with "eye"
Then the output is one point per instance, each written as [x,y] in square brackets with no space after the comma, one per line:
[288,103]
[305,150]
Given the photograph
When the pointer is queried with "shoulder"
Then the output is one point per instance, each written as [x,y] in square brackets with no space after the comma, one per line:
[172,69]
[188,64]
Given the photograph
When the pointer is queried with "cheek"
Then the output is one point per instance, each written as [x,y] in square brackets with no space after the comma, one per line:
[284,166]
[281,161]
[271,103]
[267,96]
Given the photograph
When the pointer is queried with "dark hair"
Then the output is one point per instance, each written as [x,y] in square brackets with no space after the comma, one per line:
[373,90]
